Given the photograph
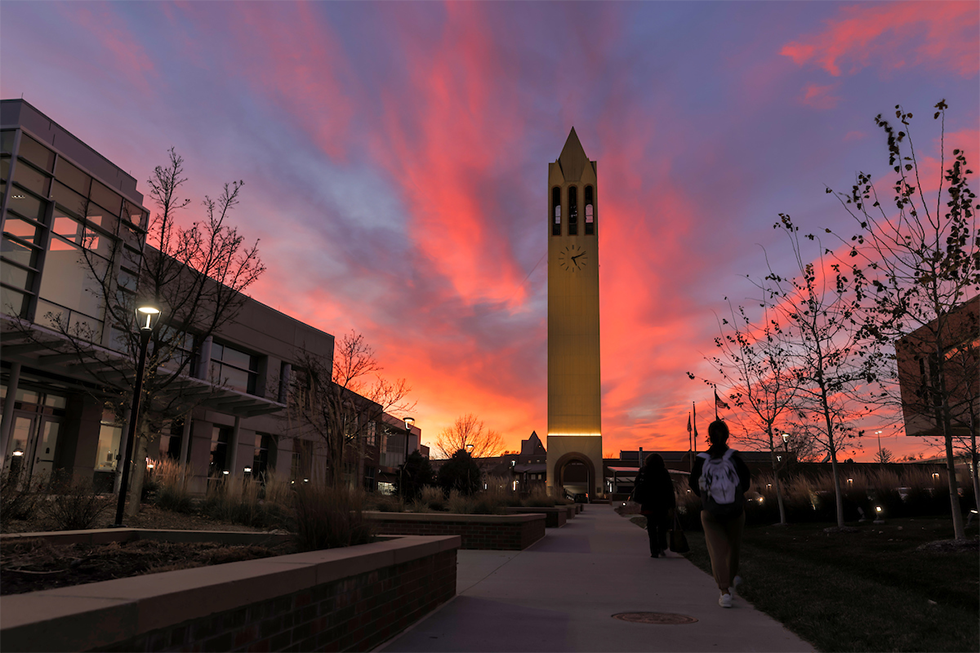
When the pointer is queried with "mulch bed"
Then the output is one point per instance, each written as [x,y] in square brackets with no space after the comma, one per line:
[30,565]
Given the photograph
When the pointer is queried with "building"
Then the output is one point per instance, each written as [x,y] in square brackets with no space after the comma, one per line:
[64,206]
[574,459]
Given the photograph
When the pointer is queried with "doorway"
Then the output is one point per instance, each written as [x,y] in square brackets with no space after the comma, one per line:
[33,446]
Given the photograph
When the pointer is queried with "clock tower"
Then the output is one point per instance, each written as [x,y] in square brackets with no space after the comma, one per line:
[574,410]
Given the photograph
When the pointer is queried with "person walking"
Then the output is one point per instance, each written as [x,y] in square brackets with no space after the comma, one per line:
[721,478]
[654,491]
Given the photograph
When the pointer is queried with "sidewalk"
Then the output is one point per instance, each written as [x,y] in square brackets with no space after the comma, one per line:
[560,595]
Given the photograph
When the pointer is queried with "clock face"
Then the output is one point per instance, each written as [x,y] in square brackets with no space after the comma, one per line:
[572,258]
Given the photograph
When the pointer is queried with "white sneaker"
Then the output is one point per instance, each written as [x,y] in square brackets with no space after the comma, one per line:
[725,600]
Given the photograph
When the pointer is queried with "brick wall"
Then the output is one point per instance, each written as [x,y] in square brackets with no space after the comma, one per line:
[357,613]
[491,535]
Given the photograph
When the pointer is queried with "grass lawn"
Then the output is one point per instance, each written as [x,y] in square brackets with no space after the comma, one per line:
[870,590]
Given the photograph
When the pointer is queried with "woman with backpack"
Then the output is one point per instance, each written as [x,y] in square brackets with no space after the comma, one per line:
[721,478]
[654,491]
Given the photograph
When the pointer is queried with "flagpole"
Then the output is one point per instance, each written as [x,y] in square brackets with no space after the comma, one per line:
[694,410]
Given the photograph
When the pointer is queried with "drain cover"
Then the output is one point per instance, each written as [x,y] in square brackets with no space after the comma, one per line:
[662,618]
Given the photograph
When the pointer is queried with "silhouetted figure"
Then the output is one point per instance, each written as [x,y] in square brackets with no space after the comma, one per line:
[721,478]
[654,491]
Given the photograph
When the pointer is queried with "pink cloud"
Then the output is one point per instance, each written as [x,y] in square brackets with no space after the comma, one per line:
[820,97]
[893,36]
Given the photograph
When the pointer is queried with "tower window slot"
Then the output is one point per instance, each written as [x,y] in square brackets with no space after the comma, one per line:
[556,211]
[572,211]
[589,211]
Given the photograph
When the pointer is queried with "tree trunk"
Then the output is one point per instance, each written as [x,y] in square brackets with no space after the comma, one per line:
[137,477]
[959,531]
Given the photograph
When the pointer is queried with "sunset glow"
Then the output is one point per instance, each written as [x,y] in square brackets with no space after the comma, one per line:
[395,162]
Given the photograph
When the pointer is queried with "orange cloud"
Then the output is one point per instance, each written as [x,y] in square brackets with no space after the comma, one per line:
[894,36]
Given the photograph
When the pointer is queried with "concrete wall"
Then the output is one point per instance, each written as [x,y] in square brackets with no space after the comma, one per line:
[490,532]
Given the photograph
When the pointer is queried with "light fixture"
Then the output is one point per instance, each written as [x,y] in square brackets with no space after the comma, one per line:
[145,316]
[409,423]
[878,509]
[225,472]
[850,481]
[149,464]
[785,438]
[18,452]
[248,470]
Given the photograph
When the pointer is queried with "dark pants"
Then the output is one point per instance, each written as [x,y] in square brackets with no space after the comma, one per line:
[724,540]
[658,523]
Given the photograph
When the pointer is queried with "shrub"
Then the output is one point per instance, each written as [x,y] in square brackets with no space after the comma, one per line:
[384,503]
[171,481]
[458,503]
[460,473]
[415,474]
[433,497]
[74,504]
[539,498]
[17,500]
[325,518]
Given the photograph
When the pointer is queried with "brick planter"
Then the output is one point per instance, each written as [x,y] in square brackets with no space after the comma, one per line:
[354,598]
[493,532]
[554,517]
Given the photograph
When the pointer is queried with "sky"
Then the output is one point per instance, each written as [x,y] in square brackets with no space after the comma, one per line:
[395,160]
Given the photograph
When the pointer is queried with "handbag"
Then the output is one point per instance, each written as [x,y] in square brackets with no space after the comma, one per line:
[678,541]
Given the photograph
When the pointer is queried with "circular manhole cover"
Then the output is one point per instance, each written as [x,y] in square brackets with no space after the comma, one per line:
[662,618]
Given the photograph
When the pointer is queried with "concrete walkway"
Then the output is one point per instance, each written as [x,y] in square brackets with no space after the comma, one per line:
[560,595]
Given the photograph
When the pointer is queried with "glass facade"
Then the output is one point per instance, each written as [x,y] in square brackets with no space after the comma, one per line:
[61,233]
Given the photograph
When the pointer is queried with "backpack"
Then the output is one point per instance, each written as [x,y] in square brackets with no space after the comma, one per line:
[719,485]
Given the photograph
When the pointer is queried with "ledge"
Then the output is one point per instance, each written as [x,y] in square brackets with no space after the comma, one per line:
[97,615]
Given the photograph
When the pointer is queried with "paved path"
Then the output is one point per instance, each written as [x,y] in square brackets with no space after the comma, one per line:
[560,595]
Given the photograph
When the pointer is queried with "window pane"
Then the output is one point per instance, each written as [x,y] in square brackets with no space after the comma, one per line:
[217,352]
[7,141]
[48,313]
[21,228]
[15,276]
[19,253]
[67,227]
[27,205]
[5,169]
[69,199]
[102,218]
[67,279]
[31,179]
[235,379]
[109,438]
[88,328]
[127,280]
[102,195]
[36,153]
[12,302]
[73,177]
[236,358]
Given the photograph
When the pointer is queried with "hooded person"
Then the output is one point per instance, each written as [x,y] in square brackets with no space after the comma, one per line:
[720,478]
[655,494]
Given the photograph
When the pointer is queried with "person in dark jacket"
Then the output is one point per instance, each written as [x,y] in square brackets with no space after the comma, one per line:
[655,494]
[722,520]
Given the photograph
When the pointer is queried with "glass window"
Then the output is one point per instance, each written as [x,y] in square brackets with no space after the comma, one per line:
[29,231]
[127,280]
[234,368]
[4,169]
[68,227]
[15,276]
[7,141]
[260,460]
[556,211]
[572,211]
[110,435]
[103,196]
[73,177]
[67,279]
[101,217]
[220,436]
[32,179]
[36,153]
[68,199]
[27,205]
[19,252]
[589,211]
[12,302]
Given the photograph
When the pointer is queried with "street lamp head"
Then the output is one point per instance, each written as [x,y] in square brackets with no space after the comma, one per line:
[409,423]
[785,437]
[145,317]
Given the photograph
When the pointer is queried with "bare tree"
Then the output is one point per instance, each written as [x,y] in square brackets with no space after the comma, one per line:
[756,365]
[469,434]
[922,260]
[819,308]
[344,401]
[195,275]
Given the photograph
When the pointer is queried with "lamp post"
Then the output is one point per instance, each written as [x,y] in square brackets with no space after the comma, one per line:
[880,457]
[786,445]
[409,423]
[145,316]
